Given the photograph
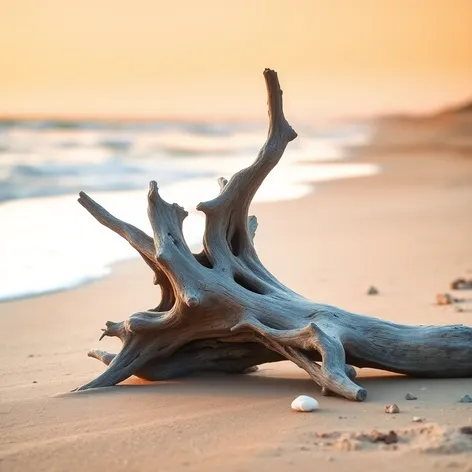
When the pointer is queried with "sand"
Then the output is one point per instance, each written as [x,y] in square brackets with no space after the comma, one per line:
[406,231]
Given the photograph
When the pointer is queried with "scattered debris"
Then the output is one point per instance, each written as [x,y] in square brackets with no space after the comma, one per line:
[448,299]
[392,409]
[444,299]
[461,284]
[417,419]
[466,399]
[426,438]
[304,403]
[390,438]
[410,396]
[372,291]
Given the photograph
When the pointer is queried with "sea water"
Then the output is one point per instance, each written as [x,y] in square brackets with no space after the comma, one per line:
[48,242]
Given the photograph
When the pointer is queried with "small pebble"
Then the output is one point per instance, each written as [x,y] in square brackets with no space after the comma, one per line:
[392,409]
[372,291]
[461,284]
[417,419]
[444,299]
[466,399]
[390,438]
[304,403]
[410,396]
[35,381]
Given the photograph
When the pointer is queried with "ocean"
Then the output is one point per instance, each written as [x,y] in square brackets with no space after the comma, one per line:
[48,242]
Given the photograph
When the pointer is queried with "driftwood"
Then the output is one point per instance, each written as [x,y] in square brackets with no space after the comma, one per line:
[221,310]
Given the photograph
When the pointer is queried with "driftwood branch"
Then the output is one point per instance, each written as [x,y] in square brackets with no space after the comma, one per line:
[221,310]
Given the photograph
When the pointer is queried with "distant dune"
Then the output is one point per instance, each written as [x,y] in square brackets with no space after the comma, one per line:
[465,108]
[449,129]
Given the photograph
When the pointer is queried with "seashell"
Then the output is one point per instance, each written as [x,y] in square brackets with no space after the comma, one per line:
[304,403]
[410,396]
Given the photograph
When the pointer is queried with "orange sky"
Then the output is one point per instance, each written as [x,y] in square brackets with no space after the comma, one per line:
[205,57]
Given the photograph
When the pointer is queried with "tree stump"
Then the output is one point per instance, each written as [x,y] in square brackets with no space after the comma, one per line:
[221,309]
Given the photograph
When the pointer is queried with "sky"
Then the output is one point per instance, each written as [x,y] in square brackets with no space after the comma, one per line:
[204,58]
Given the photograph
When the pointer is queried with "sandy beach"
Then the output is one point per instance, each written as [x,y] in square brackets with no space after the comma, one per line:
[407,231]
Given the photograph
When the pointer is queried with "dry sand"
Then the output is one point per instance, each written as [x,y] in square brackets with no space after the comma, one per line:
[407,231]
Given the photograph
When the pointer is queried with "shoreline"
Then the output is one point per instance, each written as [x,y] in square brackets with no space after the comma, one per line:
[299,192]
[405,230]
[70,242]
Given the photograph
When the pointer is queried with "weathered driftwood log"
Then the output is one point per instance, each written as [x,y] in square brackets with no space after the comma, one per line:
[221,310]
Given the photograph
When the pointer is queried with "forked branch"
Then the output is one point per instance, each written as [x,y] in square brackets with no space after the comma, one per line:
[229,210]
[295,345]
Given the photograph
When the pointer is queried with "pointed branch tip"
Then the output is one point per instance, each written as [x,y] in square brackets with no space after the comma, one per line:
[153,188]
[222,182]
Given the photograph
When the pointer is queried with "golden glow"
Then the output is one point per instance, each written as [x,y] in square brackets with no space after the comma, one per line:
[205,57]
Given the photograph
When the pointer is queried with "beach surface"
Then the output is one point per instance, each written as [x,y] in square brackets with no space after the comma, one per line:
[406,231]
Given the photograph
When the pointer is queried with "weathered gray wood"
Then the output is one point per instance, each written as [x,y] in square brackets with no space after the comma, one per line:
[221,310]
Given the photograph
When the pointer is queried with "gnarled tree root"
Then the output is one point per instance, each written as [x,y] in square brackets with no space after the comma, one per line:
[221,310]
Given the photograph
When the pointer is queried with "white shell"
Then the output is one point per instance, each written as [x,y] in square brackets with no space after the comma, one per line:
[304,403]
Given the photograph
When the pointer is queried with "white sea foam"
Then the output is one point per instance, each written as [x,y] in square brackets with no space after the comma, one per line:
[51,243]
